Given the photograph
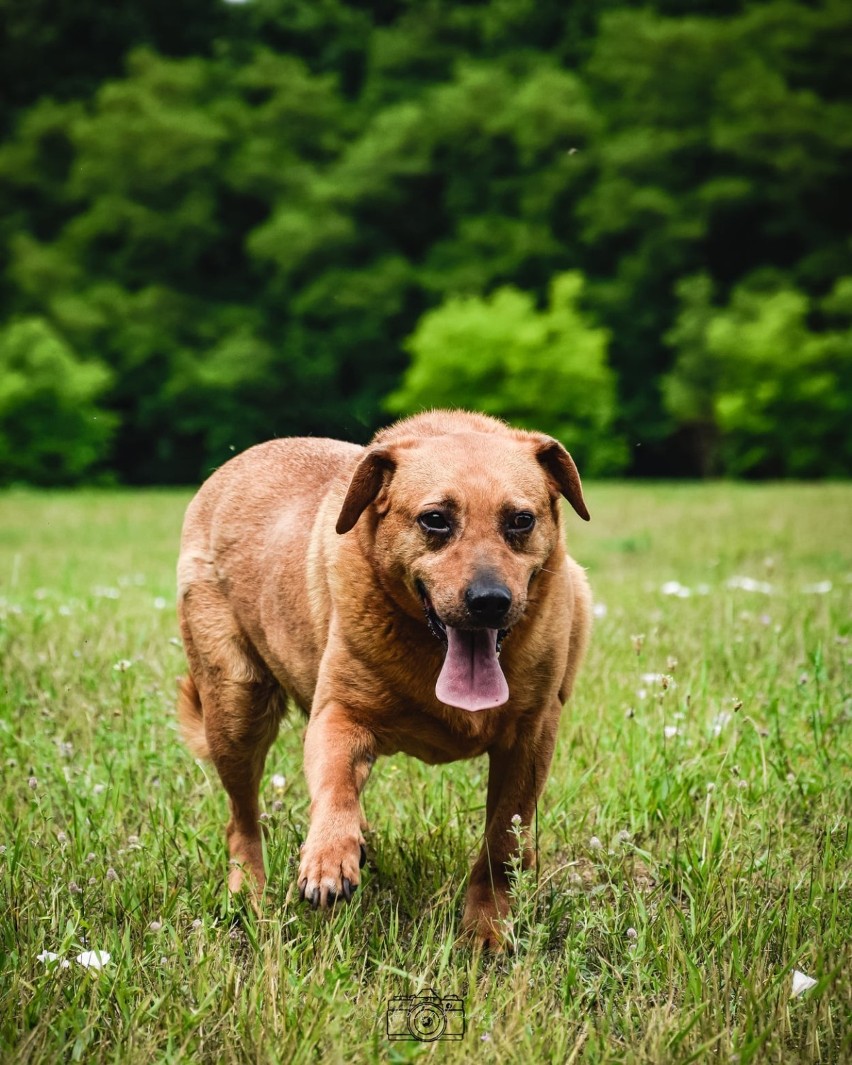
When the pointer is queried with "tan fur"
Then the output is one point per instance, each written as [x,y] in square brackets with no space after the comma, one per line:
[298,578]
[191,718]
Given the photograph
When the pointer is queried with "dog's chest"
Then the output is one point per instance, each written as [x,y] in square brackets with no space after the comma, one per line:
[435,741]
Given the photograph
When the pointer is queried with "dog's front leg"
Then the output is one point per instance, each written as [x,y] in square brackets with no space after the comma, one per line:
[516,778]
[338,757]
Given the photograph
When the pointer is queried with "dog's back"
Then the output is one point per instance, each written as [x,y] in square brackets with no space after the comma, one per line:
[256,517]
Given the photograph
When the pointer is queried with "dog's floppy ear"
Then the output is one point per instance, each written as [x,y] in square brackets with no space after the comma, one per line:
[367,480]
[559,464]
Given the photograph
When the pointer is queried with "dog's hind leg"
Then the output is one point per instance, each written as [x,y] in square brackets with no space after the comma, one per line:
[231,709]
[241,721]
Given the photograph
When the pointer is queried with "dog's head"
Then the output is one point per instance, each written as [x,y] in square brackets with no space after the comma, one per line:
[459,526]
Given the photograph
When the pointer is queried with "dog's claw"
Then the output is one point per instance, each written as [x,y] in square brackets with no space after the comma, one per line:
[362,861]
[328,875]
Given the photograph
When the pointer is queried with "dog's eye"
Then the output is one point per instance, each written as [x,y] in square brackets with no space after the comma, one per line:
[521,522]
[433,521]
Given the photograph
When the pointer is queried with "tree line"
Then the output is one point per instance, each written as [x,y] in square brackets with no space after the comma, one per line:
[626,224]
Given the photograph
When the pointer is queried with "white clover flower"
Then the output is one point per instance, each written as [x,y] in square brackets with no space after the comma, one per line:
[631,933]
[719,722]
[819,588]
[98,789]
[155,926]
[801,983]
[32,783]
[516,819]
[279,781]
[47,957]
[749,584]
[665,680]
[122,665]
[677,589]
[197,923]
[670,731]
[100,592]
[93,959]
[599,610]
[595,844]
[111,875]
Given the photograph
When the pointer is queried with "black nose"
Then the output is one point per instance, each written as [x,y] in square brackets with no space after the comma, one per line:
[488,601]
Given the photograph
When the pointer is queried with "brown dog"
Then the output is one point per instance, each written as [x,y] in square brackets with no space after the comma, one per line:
[415,596]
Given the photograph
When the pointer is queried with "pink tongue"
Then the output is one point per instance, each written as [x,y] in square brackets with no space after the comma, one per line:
[471,677]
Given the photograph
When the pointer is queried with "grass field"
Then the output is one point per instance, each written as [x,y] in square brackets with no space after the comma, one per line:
[694,834]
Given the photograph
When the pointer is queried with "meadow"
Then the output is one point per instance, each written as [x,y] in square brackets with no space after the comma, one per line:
[694,845]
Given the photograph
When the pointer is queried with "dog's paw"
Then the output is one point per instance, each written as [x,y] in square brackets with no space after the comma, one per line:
[329,871]
[487,932]
[485,922]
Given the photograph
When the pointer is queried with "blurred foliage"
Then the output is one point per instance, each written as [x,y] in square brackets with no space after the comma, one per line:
[545,370]
[242,212]
[763,392]
[51,431]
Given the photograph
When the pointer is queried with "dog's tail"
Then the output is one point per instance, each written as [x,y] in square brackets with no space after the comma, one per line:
[191,718]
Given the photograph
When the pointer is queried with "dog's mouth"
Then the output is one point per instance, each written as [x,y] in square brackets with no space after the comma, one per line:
[471,677]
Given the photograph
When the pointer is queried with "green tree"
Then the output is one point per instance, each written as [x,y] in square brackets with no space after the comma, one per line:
[245,232]
[543,369]
[769,394]
[690,388]
[724,146]
[52,430]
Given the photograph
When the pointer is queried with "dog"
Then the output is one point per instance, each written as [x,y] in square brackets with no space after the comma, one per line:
[414,595]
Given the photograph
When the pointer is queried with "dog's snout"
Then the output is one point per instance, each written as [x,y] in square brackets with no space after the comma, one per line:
[488,601]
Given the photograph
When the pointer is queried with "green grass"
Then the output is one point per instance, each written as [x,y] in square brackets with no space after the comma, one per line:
[724,861]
